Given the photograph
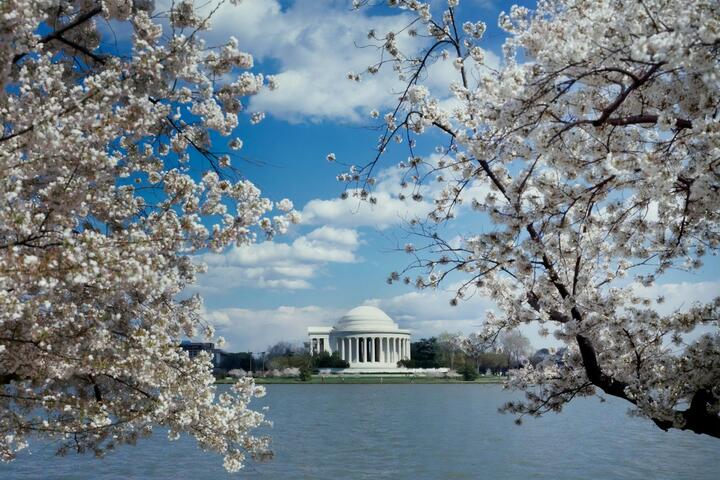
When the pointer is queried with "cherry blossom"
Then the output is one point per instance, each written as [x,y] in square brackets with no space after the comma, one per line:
[110,184]
[590,155]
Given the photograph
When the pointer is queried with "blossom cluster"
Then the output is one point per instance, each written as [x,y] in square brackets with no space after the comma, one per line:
[110,184]
[591,157]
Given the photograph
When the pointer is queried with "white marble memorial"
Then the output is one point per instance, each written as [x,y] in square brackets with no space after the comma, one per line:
[366,338]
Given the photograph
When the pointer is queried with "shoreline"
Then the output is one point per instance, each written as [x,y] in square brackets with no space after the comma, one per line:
[367,380]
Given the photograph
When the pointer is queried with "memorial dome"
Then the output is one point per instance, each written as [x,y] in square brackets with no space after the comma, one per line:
[366,318]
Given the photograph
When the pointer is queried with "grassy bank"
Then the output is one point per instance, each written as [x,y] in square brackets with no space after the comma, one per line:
[367,379]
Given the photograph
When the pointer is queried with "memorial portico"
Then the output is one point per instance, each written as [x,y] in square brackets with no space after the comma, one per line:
[366,337]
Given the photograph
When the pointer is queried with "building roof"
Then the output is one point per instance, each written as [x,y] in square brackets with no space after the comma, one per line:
[366,318]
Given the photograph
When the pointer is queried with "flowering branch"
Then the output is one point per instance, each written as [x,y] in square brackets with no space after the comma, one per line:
[594,160]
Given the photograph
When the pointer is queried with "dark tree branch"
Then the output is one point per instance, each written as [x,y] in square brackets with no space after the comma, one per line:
[625,93]
[58,33]
[80,48]
[680,123]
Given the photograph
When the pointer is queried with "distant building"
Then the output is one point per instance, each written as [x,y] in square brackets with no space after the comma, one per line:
[194,348]
[365,337]
[545,355]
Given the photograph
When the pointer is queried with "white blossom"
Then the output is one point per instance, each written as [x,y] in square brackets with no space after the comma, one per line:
[92,270]
[595,147]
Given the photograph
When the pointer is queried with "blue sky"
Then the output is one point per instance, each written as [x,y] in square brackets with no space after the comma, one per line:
[343,252]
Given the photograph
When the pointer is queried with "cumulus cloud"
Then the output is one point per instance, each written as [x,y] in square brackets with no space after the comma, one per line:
[485,4]
[678,296]
[315,44]
[389,210]
[255,330]
[274,264]
[429,312]
[350,212]
[339,236]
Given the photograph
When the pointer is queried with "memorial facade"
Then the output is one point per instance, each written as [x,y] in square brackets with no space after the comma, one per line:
[366,337]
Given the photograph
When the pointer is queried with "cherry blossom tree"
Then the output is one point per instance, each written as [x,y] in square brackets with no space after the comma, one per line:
[115,119]
[474,346]
[516,347]
[590,156]
[449,344]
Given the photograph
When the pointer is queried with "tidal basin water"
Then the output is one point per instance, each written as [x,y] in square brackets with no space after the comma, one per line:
[412,432]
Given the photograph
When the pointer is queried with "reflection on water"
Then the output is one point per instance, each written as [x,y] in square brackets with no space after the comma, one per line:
[412,432]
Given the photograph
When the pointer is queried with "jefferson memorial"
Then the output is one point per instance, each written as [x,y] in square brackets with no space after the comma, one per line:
[366,337]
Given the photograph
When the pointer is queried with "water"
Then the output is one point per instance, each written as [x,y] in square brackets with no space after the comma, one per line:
[412,432]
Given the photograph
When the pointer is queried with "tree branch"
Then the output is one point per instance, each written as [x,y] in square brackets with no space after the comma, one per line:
[58,33]
[625,93]
[680,123]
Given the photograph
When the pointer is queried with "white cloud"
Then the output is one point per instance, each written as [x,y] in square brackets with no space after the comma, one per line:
[341,236]
[273,264]
[255,330]
[485,4]
[429,312]
[350,212]
[389,210]
[679,296]
[316,45]
[442,73]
